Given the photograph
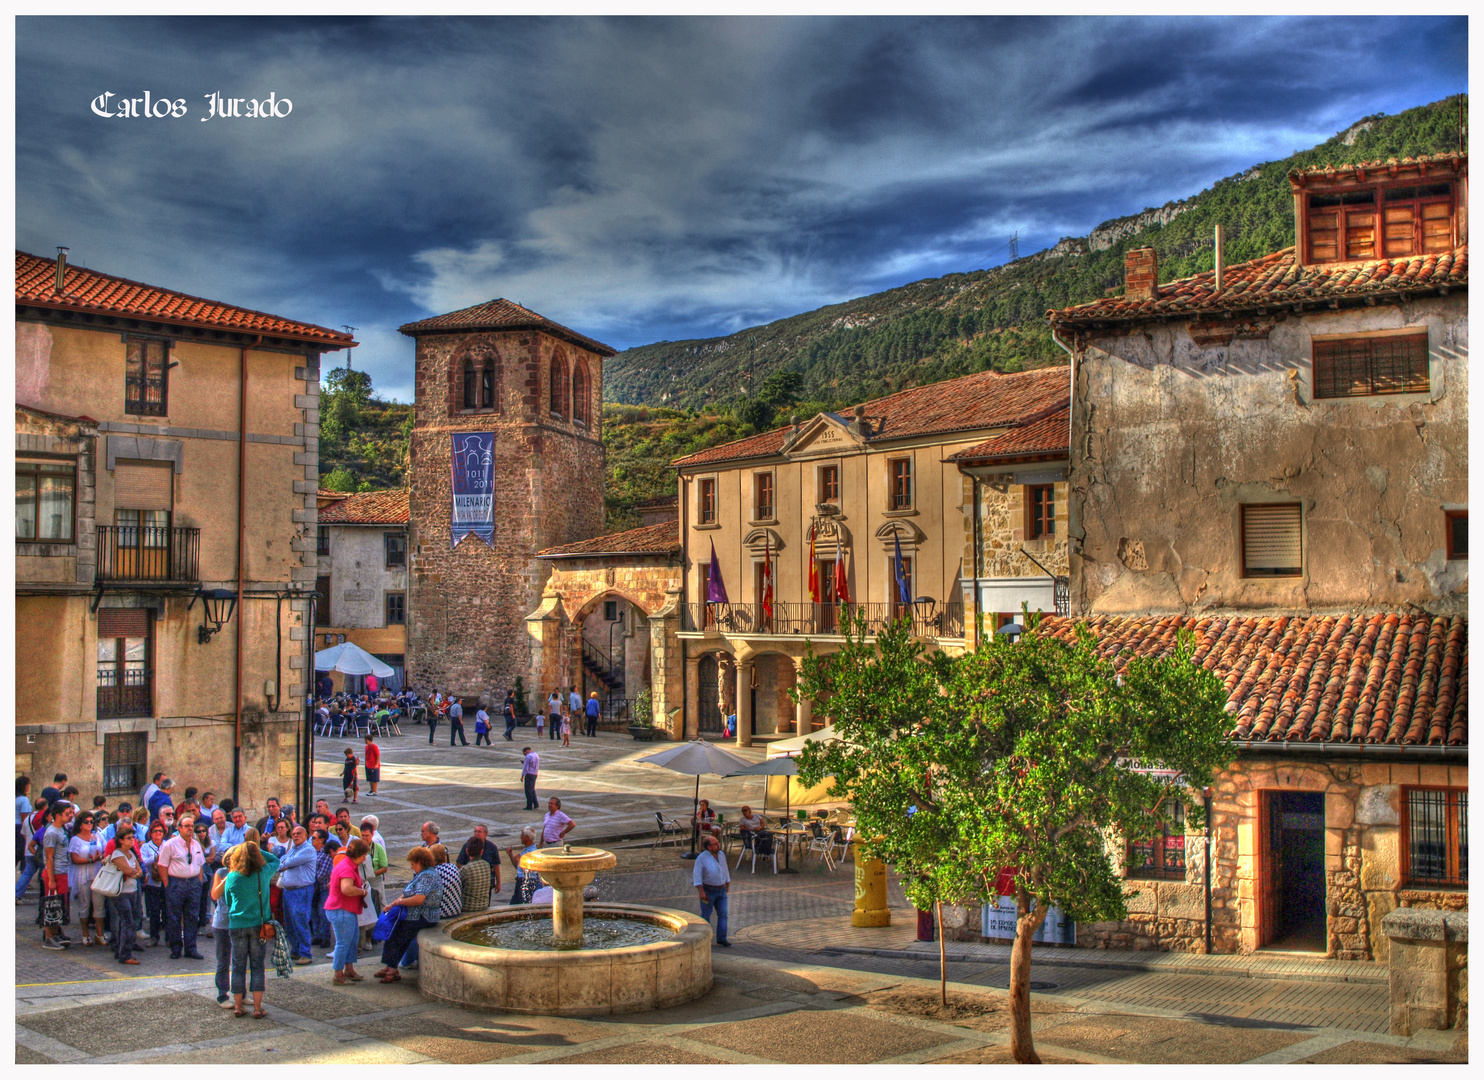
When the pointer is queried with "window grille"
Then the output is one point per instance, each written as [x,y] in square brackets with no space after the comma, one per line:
[1361,367]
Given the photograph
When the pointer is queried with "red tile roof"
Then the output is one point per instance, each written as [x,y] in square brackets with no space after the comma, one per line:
[658,539]
[1382,677]
[1274,282]
[104,294]
[501,315]
[1050,434]
[367,508]
[982,400]
[1391,168]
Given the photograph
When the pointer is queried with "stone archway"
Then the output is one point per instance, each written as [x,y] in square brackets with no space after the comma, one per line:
[772,709]
[607,645]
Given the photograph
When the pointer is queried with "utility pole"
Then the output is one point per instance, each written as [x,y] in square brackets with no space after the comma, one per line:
[351,331]
[1015,246]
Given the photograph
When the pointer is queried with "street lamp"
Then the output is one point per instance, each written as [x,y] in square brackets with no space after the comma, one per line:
[217,606]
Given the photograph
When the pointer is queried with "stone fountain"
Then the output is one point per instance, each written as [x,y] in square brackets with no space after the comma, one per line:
[567,958]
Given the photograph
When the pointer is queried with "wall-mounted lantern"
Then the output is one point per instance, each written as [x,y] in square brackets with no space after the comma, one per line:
[217,606]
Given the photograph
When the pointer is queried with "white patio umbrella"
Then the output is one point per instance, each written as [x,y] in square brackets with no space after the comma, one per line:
[350,659]
[697,758]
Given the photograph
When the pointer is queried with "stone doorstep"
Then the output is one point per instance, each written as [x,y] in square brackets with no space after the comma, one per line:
[1312,971]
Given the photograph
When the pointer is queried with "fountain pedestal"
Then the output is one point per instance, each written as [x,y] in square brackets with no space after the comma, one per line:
[567,869]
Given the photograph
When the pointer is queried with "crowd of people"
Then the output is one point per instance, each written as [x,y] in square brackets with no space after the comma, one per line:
[175,864]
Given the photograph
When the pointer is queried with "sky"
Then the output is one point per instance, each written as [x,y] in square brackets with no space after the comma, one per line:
[647,179]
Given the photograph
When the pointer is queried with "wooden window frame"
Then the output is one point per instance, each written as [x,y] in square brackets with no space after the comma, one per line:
[706,500]
[322,540]
[1449,518]
[895,608]
[1168,827]
[324,588]
[1455,824]
[121,667]
[826,495]
[31,467]
[1042,524]
[764,511]
[386,605]
[1328,354]
[1259,573]
[1379,202]
[899,476]
[139,405]
[388,541]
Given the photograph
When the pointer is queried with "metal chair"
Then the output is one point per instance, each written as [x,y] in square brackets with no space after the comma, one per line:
[669,830]
[841,840]
[821,842]
[762,844]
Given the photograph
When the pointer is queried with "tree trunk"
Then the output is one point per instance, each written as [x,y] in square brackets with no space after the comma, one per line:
[942,959]
[1027,922]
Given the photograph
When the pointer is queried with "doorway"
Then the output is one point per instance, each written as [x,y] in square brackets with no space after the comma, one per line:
[708,716]
[1291,871]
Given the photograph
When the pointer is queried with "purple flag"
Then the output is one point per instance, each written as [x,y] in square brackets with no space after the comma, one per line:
[716,590]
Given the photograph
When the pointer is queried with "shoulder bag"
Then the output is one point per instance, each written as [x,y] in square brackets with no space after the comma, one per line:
[267,928]
[110,880]
[283,963]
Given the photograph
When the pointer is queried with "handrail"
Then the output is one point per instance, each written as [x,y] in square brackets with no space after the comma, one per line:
[147,553]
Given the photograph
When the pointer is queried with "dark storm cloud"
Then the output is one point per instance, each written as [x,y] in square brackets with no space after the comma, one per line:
[642,179]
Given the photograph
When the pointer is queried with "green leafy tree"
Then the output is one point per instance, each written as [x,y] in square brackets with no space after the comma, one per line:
[755,413]
[1026,757]
[339,479]
[782,388]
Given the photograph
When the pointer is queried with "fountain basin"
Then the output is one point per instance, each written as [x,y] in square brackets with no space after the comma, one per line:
[580,982]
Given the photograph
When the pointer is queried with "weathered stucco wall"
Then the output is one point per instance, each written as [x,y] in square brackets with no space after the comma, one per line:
[359,575]
[1174,431]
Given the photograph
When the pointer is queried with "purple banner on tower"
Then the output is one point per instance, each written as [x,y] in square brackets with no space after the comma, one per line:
[474,486]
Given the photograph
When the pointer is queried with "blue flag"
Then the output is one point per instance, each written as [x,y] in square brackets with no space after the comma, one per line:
[904,590]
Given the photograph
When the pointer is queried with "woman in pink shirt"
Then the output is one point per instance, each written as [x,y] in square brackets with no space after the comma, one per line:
[345,902]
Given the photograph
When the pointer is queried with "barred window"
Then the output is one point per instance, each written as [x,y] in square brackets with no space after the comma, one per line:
[1437,833]
[1360,367]
[145,377]
[124,770]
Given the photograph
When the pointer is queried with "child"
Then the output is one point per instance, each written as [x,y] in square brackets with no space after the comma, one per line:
[348,775]
[540,724]
[566,726]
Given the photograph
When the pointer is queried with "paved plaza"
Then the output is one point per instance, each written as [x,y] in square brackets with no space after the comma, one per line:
[800,986]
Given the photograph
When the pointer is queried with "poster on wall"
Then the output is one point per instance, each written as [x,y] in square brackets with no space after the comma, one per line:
[473,464]
[999,924]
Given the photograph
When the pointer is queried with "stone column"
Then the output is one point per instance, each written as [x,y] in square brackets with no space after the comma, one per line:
[691,716]
[1429,981]
[744,703]
[804,709]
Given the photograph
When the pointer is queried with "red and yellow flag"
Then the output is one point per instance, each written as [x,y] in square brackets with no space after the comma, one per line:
[813,571]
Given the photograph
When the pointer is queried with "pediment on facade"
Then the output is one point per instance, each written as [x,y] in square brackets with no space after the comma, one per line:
[760,541]
[909,534]
[827,434]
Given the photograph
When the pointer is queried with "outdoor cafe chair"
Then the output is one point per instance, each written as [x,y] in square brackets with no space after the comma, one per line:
[821,842]
[842,840]
[669,830]
[762,844]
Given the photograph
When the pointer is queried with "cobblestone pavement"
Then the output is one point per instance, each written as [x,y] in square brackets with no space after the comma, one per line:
[795,956]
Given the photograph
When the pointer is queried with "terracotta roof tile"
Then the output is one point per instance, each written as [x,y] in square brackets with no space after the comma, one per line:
[1380,677]
[1050,434]
[501,315]
[367,508]
[1381,170]
[90,291]
[983,400]
[1275,281]
[657,539]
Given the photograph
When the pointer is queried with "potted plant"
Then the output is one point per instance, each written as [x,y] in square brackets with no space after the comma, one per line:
[641,727]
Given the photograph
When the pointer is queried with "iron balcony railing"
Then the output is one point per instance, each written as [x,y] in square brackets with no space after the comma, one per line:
[129,698]
[929,618]
[147,553]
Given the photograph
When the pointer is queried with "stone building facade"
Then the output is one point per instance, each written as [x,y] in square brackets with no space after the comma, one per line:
[362,579]
[497,367]
[130,401]
[1274,455]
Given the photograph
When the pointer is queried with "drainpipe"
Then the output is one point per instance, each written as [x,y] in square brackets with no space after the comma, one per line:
[978,568]
[1207,793]
[1071,451]
[241,564]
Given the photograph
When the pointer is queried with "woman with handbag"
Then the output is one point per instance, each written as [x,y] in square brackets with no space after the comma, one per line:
[246,890]
[123,906]
[86,852]
[343,908]
[421,897]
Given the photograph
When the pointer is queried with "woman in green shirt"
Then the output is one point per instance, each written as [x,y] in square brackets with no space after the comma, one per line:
[246,888]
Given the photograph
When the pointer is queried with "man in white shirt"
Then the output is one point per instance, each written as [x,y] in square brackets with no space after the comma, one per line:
[556,824]
[712,882]
[179,866]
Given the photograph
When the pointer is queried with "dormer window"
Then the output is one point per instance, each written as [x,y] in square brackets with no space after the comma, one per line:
[1395,221]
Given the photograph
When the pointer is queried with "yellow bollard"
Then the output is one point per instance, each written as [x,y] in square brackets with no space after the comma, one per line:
[870,893]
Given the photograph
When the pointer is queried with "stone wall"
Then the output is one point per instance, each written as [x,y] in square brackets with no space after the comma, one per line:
[467,606]
[1178,425]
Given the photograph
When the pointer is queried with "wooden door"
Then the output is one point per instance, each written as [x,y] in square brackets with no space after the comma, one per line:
[1269,865]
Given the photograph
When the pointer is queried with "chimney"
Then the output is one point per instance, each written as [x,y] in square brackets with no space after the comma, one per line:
[1140,274]
[1219,264]
[61,269]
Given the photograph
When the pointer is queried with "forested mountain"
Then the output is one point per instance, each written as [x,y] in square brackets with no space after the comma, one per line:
[944,327]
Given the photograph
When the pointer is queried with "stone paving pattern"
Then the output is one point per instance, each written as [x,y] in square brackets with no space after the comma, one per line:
[796,966]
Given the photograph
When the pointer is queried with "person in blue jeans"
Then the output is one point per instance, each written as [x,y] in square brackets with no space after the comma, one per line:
[712,881]
[223,935]
[296,867]
[592,710]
